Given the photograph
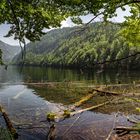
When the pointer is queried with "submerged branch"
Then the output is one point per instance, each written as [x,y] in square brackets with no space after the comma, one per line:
[106,92]
[9,123]
[83,100]
[89,108]
[127,128]
[51,133]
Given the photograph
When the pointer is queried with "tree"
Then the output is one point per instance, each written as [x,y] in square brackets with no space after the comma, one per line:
[28,18]
[131,27]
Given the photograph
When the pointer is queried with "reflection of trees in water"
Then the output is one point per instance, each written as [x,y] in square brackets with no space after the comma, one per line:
[43,74]
[9,75]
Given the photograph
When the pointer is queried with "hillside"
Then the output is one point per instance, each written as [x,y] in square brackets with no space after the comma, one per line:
[8,52]
[49,42]
[69,47]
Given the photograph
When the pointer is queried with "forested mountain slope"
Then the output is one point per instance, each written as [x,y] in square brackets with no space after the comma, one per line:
[85,48]
[8,51]
[49,42]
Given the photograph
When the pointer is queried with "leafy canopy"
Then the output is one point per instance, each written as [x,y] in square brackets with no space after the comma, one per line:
[28,18]
[131,29]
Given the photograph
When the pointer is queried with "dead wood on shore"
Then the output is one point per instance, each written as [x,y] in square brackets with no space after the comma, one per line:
[83,100]
[9,123]
[123,128]
[89,108]
[106,92]
[51,133]
[69,113]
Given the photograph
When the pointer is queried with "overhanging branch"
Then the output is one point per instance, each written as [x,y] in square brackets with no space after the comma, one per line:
[23,50]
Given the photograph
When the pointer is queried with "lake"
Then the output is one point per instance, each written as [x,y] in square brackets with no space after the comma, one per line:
[27,102]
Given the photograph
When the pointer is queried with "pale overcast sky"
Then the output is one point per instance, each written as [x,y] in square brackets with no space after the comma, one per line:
[120,18]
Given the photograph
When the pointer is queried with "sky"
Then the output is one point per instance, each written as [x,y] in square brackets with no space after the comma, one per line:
[67,23]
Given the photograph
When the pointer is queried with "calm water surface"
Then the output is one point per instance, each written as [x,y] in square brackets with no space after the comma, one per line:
[28,105]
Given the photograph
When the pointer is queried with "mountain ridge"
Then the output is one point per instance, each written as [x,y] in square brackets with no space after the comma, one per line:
[8,51]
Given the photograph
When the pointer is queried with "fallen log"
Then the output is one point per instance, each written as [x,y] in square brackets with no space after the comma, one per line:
[68,113]
[110,85]
[89,108]
[8,123]
[122,128]
[83,100]
[51,133]
[106,92]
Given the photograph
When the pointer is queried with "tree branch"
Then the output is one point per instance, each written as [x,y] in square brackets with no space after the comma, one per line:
[131,2]
[18,26]
[127,128]
[13,12]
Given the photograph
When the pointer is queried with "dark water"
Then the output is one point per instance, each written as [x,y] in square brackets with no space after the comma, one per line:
[29,105]
[43,74]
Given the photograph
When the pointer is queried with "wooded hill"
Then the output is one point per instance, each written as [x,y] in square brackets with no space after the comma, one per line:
[84,48]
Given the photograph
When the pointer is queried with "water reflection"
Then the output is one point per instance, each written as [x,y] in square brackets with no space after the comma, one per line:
[29,104]
[44,74]
[10,75]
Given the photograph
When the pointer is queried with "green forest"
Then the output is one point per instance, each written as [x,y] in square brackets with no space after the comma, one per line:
[84,47]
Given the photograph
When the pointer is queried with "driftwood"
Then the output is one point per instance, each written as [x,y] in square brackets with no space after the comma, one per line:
[51,133]
[89,108]
[68,113]
[132,120]
[122,128]
[106,92]
[83,100]
[86,98]
[9,124]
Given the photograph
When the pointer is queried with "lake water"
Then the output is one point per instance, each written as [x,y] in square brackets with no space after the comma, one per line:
[43,74]
[28,104]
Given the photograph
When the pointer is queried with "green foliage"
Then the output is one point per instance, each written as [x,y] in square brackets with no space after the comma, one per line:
[76,20]
[138,109]
[97,43]
[5,134]
[131,27]
[51,116]
[66,113]
[29,18]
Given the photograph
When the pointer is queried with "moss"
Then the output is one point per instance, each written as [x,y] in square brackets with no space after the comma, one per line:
[51,116]
[5,134]
[66,113]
